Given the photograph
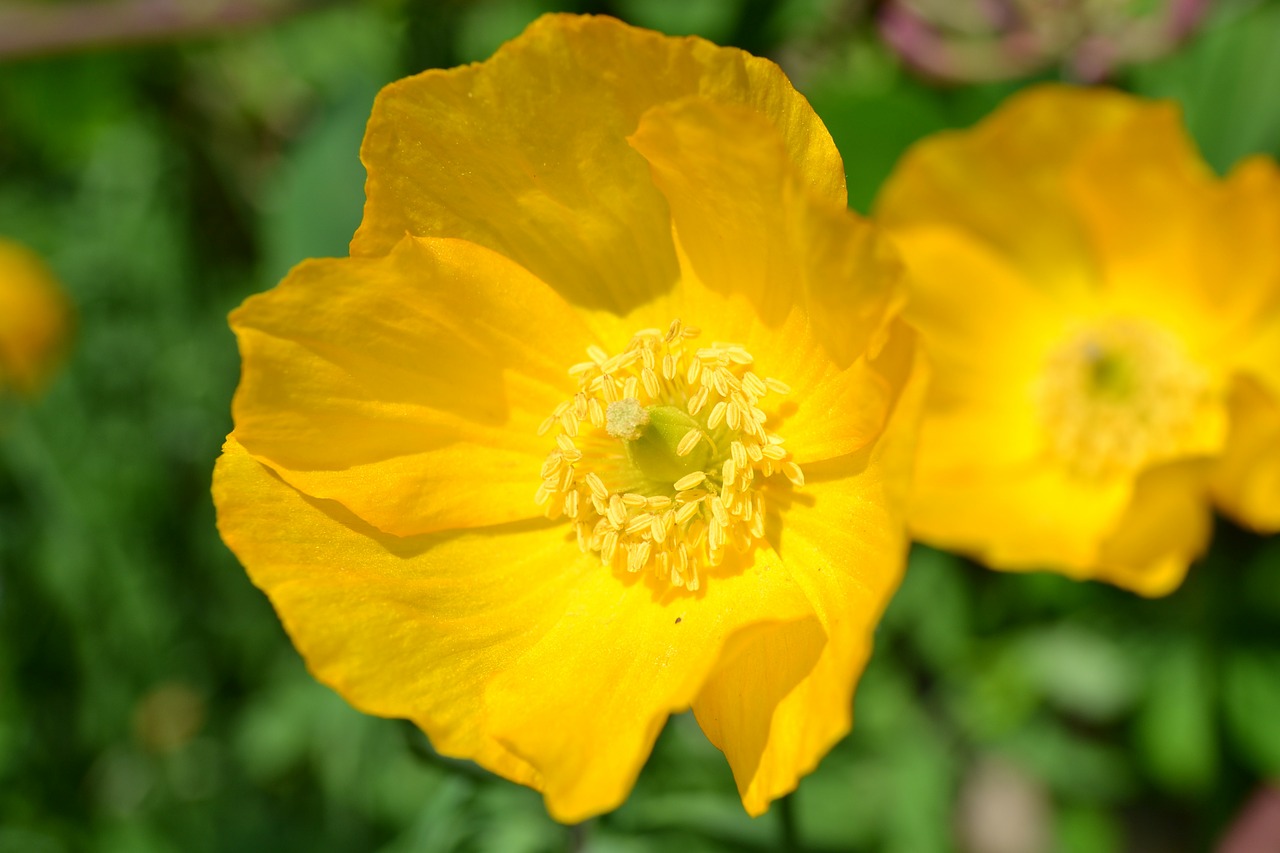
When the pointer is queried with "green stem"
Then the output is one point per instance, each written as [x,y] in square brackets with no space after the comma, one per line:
[790,831]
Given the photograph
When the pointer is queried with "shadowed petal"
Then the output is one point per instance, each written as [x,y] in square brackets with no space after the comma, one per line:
[1246,480]
[527,154]
[749,224]
[1175,243]
[1052,519]
[1002,181]
[805,285]
[410,388]
[1166,526]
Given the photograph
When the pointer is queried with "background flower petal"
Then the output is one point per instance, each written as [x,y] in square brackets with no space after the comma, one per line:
[1003,181]
[526,153]
[1052,519]
[986,328]
[842,537]
[1174,242]
[1260,356]
[409,388]
[986,332]
[1166,526]
[1246,479]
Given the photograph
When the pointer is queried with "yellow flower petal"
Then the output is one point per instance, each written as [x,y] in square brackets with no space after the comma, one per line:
[1174,242]
[507,646]
[1020,518]
[1165,527]
[1246,480]
[1031,514]
[1259,357]
[989,334]
[589,721]
[1002,181]
[361,605]
[34,320]
[986,328]
[409,388]
[840,538]
[526,153]
[986,341]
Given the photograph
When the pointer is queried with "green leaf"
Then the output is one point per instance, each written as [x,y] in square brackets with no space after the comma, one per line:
[314,203]
[1076,767]
[485,26]
[1086,829]
[1251,691]
[873,128]
[1226,81]
[1080,671]
[711,19]
[932,609]
[1176,728]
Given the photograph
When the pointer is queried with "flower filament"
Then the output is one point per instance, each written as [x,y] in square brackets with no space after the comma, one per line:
[661,455]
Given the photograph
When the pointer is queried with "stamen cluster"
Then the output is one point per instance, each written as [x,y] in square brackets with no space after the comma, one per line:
[661,455]
[1120,395]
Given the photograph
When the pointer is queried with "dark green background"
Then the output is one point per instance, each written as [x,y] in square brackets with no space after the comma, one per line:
[149,700]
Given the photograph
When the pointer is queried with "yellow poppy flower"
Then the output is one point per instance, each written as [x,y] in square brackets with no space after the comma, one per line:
[1082,283]
[34,320]
[608,416]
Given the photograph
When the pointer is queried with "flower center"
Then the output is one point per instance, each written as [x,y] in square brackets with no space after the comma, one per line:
[660,457]
[1118,396]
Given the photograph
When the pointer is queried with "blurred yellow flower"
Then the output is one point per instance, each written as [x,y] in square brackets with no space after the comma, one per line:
[609,415]
[1084,286]
[35,320]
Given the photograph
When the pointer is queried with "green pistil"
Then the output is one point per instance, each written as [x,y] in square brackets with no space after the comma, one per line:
[651,436]
[1111,374]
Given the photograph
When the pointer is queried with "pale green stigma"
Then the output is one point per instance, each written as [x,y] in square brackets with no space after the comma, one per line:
[657,446]
[625,419]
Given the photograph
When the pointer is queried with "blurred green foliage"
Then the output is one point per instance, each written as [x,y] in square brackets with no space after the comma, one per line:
[149,700]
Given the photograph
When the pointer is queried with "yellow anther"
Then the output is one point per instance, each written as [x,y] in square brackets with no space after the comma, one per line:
[661,459]
[689,481]
[690,441]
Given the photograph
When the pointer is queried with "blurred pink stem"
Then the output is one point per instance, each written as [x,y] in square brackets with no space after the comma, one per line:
[30,29]
[1257,828]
